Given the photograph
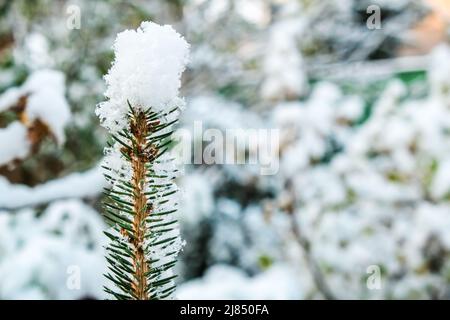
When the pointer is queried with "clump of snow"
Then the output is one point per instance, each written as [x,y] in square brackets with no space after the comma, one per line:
[308,129]
[283,65]
[146,72]
[47,102]
[438,71]
[34,52]
[440,186]
[254,11]
[9,98]
[14,142]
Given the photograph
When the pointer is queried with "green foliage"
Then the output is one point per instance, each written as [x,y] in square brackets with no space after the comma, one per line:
[137,255]
[265,261]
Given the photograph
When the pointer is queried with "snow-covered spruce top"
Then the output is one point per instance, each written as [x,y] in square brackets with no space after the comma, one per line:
[146,71]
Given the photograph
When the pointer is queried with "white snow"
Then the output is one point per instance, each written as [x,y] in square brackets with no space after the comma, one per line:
[230,283]
[14,142]
[283,65]
[45,92]
[198,202]
[369,193]
[34,52]
[146,72]
[76,185]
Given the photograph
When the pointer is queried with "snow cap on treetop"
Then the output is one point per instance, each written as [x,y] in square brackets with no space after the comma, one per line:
[146,71]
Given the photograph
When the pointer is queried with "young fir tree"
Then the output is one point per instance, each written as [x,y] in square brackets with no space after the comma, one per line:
[141,108]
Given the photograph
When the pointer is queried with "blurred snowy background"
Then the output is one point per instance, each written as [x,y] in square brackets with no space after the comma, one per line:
[360,207]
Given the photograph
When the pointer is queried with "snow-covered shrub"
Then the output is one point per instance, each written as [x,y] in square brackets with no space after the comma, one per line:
[379,198]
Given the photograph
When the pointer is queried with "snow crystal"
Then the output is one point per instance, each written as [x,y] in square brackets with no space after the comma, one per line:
[9,98]
[39,255]
[52,109]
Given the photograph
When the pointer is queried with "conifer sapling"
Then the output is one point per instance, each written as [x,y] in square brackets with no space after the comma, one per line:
[141,108]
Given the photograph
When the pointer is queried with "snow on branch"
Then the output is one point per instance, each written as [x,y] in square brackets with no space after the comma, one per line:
[76,185]
[142,107]
[41,108]
[14,142]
